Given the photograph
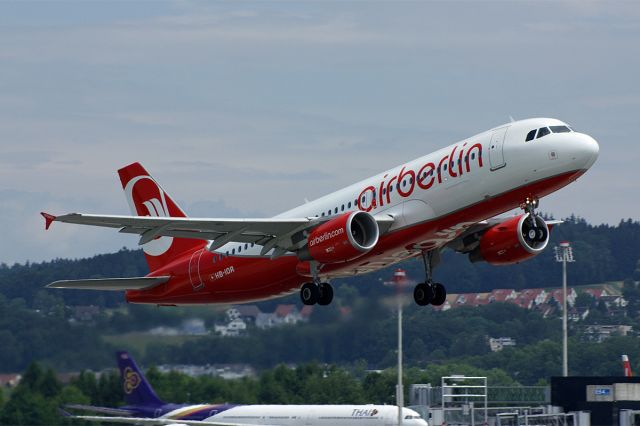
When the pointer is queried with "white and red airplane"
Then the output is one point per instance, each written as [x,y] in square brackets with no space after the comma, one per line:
[445,199]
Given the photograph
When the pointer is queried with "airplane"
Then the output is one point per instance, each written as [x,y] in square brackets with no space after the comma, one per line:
[447,199]
[145,407]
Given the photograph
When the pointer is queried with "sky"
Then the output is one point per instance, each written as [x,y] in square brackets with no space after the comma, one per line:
[243,109]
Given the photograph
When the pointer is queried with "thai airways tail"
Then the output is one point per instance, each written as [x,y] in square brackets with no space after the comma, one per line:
[627,366]
[137,391]
[147,198]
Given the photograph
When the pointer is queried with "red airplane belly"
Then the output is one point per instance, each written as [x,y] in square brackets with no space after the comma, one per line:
[397,245]
[231,279]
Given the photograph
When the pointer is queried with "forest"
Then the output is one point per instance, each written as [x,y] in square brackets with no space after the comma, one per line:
[40,336]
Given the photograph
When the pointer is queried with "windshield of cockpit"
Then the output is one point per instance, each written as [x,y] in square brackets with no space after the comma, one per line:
[544,131]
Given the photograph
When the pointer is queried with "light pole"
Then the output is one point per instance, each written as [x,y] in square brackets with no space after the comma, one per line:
[564,254]
[399,282]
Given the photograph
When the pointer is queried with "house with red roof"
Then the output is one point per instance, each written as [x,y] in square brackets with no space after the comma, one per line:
[502,295]
[10,380]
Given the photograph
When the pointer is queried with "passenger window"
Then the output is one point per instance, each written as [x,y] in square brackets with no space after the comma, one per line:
[349,204]
[543,131]
[335,210]
[233,251]
[322,214]
[246,246]
[328,212]
[342,208]
[531,135]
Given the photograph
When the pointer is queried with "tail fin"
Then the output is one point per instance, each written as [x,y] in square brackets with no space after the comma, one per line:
[137,391]
[627,366]
[147,198]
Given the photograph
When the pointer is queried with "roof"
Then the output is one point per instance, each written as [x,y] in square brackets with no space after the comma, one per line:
[502,294]
[306,311]
[284,310]
[248,310]
[10,379]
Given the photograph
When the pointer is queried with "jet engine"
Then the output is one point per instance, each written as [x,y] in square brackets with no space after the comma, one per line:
[512,241]
[342,238]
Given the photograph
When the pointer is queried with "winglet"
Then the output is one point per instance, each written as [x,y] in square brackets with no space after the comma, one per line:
[48,219]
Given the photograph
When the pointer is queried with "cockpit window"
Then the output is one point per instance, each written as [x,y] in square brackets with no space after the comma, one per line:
[543,131]
[560,129]
[530,135]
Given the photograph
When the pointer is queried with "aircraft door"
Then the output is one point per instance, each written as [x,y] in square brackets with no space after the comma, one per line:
[194,270]
[496,145]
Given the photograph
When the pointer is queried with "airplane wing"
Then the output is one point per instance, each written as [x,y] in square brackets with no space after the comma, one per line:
[157,421]
[282,234]
[96,409]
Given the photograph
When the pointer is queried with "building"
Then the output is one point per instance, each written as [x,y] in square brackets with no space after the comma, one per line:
[499,343]
[607,398]
[10,380]
[599,333]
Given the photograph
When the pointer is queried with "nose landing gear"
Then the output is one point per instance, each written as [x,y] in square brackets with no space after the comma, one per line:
[429,292]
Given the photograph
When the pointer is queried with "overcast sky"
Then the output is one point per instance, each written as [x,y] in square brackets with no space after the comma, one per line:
[245,109]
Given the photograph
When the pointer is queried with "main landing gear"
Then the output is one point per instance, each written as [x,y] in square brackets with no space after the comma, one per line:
[316,291]
[429,292]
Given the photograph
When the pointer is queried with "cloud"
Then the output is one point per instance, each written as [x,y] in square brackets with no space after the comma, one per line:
[245,109]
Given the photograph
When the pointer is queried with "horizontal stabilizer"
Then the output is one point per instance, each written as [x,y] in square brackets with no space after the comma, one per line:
[114,284]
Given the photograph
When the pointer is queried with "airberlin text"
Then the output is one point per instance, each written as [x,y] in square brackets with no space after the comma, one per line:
[326,236]
[454,164]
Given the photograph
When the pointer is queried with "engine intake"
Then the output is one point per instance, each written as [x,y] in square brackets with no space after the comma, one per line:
[342,239]
[512,241]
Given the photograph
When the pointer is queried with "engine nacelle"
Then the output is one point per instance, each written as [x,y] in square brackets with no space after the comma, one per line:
[512,241]
[342,239]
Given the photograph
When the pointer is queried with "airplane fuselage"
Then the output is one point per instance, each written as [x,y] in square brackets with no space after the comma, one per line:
[433,199]
[285,415]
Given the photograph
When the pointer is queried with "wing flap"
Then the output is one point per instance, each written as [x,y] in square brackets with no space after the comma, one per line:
[113,284]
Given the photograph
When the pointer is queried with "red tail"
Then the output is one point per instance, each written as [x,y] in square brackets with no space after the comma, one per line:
[147,198]
[627,366]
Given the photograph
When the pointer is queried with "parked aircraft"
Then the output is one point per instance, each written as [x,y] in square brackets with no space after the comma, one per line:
[144,407]
[445,199]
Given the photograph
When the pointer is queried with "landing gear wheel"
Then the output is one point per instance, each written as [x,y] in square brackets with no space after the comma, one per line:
[325,294]
[309,293]
[423,294]
[440,295]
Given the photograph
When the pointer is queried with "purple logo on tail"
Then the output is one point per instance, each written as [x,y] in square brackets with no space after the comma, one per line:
[131,380]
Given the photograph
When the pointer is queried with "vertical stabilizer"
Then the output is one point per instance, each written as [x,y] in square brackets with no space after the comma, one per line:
[147,198]
[626,365]
[137,391]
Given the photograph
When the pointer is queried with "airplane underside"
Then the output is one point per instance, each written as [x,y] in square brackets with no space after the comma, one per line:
[242,279]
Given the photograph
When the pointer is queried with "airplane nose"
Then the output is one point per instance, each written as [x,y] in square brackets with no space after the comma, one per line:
[590,150]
